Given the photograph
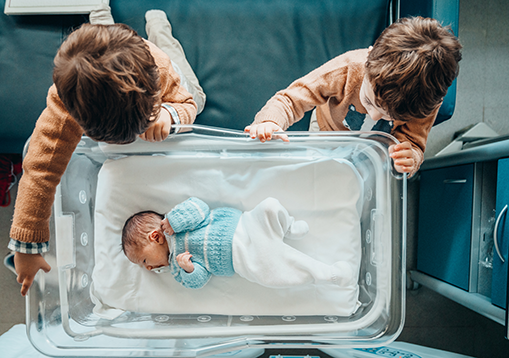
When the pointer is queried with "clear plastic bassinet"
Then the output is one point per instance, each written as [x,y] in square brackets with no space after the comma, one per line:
[60,307]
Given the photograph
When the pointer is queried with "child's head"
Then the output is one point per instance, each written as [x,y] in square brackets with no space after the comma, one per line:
[143,240]
[411,66]
[108,81]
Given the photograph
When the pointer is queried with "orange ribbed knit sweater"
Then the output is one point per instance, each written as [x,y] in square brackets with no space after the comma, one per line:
[53,141]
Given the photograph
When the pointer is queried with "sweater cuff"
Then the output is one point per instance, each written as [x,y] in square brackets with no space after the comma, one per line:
[30,236]
[419,158]
[186,112]
[28,247]
[174,115]
[259,119]
[196,279]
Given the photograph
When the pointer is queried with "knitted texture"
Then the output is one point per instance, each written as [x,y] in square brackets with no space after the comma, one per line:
[333,88]
[196,279]
[53,141]
[207,235]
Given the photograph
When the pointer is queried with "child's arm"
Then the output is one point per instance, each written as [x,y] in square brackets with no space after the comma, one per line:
[285,108]
[173,95]
[413,135]
[52,143]
[188,215]
[288,106]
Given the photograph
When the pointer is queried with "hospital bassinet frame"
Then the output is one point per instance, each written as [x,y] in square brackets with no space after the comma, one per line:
[60,321]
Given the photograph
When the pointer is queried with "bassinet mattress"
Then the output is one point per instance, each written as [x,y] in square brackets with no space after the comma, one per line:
[327,193]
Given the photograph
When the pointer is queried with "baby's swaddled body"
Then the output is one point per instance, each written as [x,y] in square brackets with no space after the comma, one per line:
[225,241]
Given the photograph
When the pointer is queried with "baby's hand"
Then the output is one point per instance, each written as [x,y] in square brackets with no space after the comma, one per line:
[403,157]
[165,225]
[263,131]
[159,128]
[184,261]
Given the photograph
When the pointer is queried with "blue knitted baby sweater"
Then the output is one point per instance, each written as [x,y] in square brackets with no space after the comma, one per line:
[207,235]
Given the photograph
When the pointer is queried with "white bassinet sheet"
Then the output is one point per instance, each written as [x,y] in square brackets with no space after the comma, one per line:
[327,193]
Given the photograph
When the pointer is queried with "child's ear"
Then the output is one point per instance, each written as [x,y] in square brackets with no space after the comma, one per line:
[153,235]
[156,236]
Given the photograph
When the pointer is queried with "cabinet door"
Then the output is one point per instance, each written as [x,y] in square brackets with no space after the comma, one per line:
[445,224]
[499,279]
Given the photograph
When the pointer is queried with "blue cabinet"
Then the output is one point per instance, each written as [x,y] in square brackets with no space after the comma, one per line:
[445,224]
[462,197]
[501,239]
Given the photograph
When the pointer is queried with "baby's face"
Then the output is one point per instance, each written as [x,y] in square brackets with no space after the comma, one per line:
[153,255]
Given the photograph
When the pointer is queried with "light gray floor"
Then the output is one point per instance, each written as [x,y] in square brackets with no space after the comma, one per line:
[12,305]
[483,92]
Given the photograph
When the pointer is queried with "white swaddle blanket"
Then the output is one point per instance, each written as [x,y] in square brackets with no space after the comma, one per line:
[326,193]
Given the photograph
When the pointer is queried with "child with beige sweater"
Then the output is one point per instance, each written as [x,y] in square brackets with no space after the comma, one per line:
[400,83]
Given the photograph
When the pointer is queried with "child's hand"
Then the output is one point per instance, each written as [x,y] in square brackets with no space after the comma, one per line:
[264,131]
[27,266]
[165,225]
[184,261]
[159,128]
[403,157]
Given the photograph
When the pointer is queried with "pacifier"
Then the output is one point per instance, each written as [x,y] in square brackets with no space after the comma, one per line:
[161,269]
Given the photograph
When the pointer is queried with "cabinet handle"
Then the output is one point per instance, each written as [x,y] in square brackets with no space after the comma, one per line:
[495,232]
[455,181]
[507,307]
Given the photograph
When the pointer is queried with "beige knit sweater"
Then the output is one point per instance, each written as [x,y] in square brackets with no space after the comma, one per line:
[332,88]
[53,141]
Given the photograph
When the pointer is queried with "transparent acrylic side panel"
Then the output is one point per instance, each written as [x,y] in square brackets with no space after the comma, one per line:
[59,315]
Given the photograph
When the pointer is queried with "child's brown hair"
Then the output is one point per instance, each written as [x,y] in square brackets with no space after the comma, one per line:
[411,66]
[108,81]
[139,226]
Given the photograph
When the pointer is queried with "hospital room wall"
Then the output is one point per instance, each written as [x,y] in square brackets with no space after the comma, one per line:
[482,93]
[483,82]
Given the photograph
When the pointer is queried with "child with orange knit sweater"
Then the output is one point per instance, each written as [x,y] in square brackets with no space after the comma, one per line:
[400,82]
[113,86]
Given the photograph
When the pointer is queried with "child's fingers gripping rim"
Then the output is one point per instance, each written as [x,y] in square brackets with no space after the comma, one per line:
[27,283]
